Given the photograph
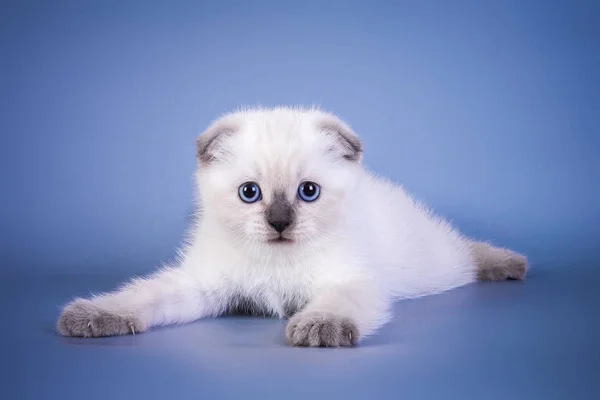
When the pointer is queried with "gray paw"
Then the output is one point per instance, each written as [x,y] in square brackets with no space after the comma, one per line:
[321,329]
[511,266]
[498,264]
[83,318]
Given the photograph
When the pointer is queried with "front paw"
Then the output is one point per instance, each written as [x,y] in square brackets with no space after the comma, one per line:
[83,318]
[316,329]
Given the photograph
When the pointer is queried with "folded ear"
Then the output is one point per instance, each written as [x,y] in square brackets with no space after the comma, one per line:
[346,142]
[209,145]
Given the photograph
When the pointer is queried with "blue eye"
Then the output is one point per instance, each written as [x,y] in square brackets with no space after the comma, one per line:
[309,191]
[249,192]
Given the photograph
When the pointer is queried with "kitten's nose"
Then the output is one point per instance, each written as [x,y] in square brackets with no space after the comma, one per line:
[279,225]
[280,214]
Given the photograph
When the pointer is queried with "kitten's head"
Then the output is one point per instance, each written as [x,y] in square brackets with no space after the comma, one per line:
[277,177]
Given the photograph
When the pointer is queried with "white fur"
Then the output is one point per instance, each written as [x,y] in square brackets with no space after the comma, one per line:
[364,242]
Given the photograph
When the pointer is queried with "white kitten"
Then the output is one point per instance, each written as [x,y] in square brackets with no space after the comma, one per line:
[290,224]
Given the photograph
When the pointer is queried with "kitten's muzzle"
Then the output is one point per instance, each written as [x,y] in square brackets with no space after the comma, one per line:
[281,239]
[280,214]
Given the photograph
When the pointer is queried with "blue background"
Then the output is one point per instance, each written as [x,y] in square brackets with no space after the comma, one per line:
[486,110]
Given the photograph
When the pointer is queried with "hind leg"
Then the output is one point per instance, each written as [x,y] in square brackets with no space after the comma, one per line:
[498,264]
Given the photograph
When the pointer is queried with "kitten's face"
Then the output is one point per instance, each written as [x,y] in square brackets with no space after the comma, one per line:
[277,177]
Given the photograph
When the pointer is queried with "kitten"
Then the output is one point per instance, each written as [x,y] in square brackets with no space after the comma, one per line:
[290,224]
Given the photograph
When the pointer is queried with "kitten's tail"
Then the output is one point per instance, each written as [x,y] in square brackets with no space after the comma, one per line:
[497,264]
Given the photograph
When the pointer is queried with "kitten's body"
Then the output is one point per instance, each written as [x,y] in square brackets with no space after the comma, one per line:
[345,256]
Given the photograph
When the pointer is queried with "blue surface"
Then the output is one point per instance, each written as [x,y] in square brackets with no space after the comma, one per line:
[487,110]
[508,340]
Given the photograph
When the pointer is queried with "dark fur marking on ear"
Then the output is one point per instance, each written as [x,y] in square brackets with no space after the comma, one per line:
[208,142]
[350,143]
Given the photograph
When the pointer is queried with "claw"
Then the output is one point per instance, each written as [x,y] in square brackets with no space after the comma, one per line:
[132,329]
